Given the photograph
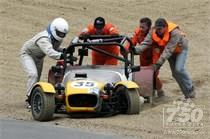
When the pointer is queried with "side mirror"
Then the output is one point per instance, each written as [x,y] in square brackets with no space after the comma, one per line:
[135,68]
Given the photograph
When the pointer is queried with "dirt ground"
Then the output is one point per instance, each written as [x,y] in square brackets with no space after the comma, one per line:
[21,19]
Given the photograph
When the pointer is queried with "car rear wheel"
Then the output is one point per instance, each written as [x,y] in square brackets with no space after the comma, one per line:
[129,100]
[42,105]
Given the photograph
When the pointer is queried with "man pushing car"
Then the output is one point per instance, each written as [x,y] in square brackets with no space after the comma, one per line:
[44,43]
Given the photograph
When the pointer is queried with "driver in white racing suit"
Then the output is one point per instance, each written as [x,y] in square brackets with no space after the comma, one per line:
[44,43]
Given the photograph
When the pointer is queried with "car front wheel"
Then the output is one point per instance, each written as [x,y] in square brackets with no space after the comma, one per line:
[42,105]
[129,100]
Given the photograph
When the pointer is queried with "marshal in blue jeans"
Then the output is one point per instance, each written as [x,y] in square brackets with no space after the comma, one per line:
[177,65]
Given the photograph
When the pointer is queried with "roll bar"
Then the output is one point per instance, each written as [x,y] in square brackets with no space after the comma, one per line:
[102,40]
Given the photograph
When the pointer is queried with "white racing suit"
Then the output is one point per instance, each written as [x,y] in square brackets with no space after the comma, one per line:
[32,56]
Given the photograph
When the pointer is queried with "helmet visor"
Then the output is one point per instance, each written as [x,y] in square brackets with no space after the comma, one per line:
[60,34]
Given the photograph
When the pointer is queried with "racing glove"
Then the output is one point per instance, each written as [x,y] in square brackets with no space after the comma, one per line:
[62,53]
[61,57]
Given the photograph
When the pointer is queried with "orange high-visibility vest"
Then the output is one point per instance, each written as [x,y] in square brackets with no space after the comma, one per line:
[163,42]
[101,59]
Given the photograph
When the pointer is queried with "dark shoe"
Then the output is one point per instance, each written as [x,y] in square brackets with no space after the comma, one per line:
[28,105]
[191,93]
[160,93]
[182,98]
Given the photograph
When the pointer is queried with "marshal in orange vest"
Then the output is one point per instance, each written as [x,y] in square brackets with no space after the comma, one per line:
[162,42]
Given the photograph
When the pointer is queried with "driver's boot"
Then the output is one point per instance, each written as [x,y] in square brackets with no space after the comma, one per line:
[28,105]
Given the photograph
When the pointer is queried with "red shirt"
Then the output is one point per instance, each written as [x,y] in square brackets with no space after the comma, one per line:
[146,57]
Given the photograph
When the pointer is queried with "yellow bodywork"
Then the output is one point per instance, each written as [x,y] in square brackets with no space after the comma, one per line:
[81,87]
[79,109]
[46,87]
[128,84]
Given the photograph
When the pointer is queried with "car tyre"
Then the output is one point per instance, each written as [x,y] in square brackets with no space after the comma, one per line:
[42,105]
[130,99]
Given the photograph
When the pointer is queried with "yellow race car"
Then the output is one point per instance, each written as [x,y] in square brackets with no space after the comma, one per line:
[76,88]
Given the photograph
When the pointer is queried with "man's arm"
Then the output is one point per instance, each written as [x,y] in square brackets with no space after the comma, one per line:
[147,43]
[57,46]
[114,31]
[134,40]
[47,48]
[86,31]
[111,29]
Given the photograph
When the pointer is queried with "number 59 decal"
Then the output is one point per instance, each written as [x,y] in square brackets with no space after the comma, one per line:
[83,84]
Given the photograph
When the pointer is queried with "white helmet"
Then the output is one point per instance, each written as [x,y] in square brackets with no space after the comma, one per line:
[59,28]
